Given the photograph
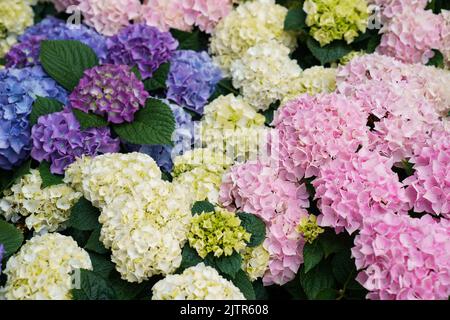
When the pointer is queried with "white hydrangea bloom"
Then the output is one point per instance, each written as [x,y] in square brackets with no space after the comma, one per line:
[196,283]
[43,268]
[255,261]
[265,74]
[45,209]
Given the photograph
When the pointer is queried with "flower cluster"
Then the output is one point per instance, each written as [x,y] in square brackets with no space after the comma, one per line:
[44,209]
[404,258]
[265,74]
[184,14]
[24,54]
[201,170]
[15,17]
[192,79]
[58,139]
[196,283]
[18,90]
[331,20]
[392,8]
[309,228]
[110,90]
[43,268]
[62,5]
[143,46]
[217,233]
[255,261]
[258,189]
[250,23]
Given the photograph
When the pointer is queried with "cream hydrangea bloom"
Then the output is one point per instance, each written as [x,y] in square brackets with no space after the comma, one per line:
[200,170]
[255,261]
[265,74]
[196,283]
[250,23]
[45,209]
[232,126]
[103,178]
[15,17]
[43,268]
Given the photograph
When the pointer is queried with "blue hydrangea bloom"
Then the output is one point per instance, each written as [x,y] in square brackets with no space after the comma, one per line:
[192,79]
[182,138]
[18,90]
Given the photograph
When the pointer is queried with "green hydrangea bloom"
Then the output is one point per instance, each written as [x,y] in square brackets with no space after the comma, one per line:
[309,229]
[336,19]
[218,232]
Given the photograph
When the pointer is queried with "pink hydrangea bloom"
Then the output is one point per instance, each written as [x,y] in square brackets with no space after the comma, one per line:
[185,14]
[445,44]
[411,36]
[108,17]
[62,5]
[392,8]
[313,130]
[356,186]
[404,258]
[429,188]
[258,189]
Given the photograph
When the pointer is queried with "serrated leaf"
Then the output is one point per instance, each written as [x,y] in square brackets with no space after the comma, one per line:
[89,120]
[84,216]
[229,265]
[329,53]
[10,237]
[201,207]
[93,287]
[101,264]
[48,179]
[255,226]
[312,255]
[343,266]
[94,244]
[243,283]
[295,20]
[317,280]
[158,79]
[66,60]
[43,106]
[154,125]
[189,258]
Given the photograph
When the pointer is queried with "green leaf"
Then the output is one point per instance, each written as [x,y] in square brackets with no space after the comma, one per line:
[319,279]
[244,284]
[260,290]
[130,291]
[153,124]
[93,287]
[89,120]
[101,264]
[333,243]
[343,266]
[66,60]
[295,20]
[229,265]
[190,40]
[201,207]
[43,106]
[136,72]
[327,294]
[223,88]
[8,178]
[312,255]
[10,237]
[255,226]
[437,60]
[84,216]
[48,178]
[94,244]
[329,53]
[189,258]
[158,80]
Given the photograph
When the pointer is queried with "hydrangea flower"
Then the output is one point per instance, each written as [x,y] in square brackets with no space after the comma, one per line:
[110,90]
[265,74]
[58,139]
[309,228]
[255,261]
[250,23]
[355,186]
[218,233]
[43,268]
[15,17]
[18,90]
[392,8]
[404,258]
[192,79]
[336,19]
[141,45]
[429,188]
[196,283]
[184,14]
[445,43]
[24,54]
[257,188]
[312,130]
[108,19]
[62,5]
[44,209]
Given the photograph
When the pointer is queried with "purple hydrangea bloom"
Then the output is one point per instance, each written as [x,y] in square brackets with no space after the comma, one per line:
[58,139]
[182,138]
[110,90]
[2,253]
[141,45]
[24,54]
[18,90]
[192,79]
[55,29]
